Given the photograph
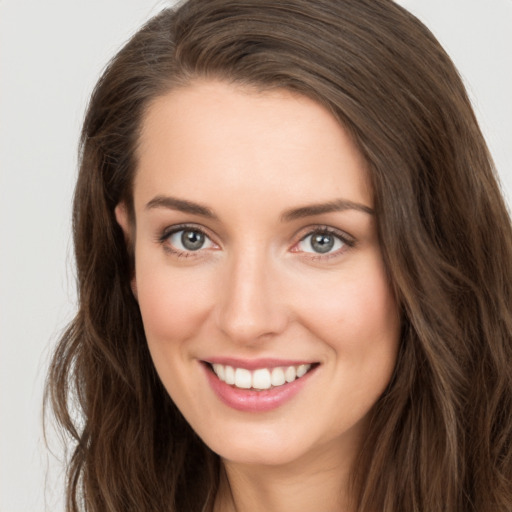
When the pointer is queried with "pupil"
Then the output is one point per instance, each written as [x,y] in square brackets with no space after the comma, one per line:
[192,240]
[322,243]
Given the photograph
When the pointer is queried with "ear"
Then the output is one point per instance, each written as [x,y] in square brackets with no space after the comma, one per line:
[123,219]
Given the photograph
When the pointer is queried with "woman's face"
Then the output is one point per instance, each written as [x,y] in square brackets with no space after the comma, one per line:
[258,272]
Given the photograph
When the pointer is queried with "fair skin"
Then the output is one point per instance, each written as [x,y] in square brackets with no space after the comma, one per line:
[234,267]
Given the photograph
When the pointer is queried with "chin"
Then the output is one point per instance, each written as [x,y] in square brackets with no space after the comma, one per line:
[267,446]
[259,456]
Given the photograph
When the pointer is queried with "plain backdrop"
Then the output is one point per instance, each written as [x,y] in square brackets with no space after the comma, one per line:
[51,54]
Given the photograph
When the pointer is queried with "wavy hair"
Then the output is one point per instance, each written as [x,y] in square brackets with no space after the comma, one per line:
[440,436]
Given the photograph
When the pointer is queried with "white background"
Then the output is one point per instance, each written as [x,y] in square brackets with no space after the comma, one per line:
[51,54]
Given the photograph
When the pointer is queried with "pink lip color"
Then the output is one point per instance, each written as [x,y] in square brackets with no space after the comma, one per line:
[249,400]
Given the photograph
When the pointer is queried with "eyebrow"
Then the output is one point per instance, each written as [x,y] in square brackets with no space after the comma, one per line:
[194,208]
[338,205]
[182,205]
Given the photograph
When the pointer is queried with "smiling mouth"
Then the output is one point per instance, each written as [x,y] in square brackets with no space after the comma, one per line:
[260,379]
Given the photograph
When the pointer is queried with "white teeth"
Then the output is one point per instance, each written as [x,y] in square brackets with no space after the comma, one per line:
[243,378]
[278,377]
[302,370]
[219,370]
[290,374]
[262,378]
[229,374]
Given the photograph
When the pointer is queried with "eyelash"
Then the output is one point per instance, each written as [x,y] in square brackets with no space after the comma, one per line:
[347,240]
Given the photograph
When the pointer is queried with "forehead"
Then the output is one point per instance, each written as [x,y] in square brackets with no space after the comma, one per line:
[214,136]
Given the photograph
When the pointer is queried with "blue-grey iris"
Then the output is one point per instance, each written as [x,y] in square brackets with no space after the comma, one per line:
[322,242]
[192,240]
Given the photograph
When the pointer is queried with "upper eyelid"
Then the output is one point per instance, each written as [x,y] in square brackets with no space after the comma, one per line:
[176,228]
[319,228]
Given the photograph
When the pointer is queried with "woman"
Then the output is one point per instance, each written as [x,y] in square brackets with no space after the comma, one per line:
[294,271]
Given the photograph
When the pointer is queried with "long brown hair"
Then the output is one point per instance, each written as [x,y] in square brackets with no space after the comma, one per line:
[441,434]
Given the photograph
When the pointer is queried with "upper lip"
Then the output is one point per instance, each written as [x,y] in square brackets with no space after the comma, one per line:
[253,364]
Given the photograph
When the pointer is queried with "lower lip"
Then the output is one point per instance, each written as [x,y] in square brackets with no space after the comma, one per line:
[249,400]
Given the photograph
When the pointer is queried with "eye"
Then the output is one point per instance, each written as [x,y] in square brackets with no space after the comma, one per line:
[188,240]
[322,242]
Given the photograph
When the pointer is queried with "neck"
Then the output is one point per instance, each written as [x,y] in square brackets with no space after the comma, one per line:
[320,483]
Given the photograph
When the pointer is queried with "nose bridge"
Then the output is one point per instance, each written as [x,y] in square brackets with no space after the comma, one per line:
[250,307]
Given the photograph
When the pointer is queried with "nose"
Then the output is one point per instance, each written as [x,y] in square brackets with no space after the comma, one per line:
[250,306]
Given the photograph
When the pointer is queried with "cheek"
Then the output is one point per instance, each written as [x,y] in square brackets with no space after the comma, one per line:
[355,310]
[173,303]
